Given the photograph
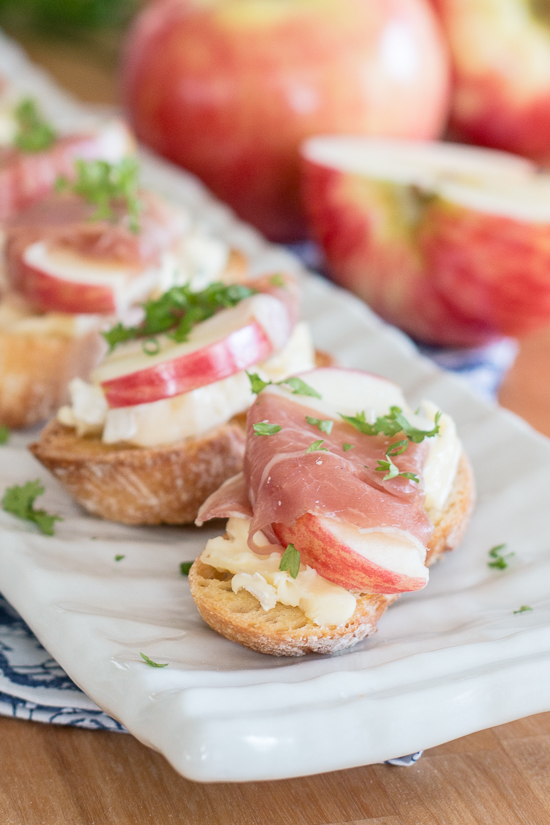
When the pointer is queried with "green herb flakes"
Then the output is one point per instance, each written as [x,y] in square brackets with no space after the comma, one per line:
[185,567]
[324,425]
[498,559]
[150,662]
[4,435]
[524,609]
[34,133]
[19,501]
[316,447]
[264,428]
[391,424]
[290,561]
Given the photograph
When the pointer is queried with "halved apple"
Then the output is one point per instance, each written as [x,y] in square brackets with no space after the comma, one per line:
[449,242]
[225,344]
[381,560]
[57,279]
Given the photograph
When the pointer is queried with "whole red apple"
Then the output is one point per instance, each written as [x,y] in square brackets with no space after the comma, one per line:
[501,64]
[230,88]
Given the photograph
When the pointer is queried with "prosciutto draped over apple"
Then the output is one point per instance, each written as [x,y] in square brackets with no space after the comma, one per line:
[351,503]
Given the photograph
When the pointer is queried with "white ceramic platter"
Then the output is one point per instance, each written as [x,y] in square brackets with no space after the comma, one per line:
[447,661]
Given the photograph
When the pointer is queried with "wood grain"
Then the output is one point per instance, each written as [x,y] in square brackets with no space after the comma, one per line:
[62,776]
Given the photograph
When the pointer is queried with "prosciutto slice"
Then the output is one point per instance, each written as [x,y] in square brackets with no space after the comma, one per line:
[283,481]
[66,221]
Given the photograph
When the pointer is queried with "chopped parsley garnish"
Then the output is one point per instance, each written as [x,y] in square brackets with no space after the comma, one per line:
[316,447]
[119,557]
[34,133]
[185,567]
[277,280]
[4,435]
[290,561]
[325,425]
[102,184]
[347,447]
[296,384]
[257,384]
[393,471]
[264,428]
[523,609]
[19,501]
[392,424]
[150,662]
[499,560]
[176,312]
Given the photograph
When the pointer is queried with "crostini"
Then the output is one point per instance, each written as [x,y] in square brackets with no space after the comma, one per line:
[161,426]
[74,260]
[345,500]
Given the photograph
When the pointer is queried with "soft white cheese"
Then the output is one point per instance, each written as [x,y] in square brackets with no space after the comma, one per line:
[198,260]
[442,462]
[320,600]
[189,414]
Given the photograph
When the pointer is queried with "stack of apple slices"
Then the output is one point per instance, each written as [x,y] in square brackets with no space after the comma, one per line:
[449,242]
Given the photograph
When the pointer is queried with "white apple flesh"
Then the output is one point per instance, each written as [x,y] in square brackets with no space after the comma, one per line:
[225,344]
[378,561]
[449,242]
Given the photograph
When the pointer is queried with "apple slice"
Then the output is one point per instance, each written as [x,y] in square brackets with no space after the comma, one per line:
[448,242]
[381,560]
[61,280]
[225,344]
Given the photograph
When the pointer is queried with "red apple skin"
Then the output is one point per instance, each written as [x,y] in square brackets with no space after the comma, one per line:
[451,277]
[53,294]
[237,351]
[501,97]
[27,177]
[230,90]
[338,563]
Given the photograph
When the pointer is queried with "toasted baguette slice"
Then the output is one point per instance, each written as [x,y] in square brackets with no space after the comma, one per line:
[286,631]
[35,372]
[145,485]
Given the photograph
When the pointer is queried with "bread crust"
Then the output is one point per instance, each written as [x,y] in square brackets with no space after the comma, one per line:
[142,485]
[286,631]
[35,372]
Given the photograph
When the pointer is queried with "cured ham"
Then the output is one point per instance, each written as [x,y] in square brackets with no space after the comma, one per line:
[313,481]
[27,177]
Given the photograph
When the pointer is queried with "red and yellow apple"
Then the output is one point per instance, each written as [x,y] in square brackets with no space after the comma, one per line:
[500,52]
[375,562]
[450,243]
[229,88]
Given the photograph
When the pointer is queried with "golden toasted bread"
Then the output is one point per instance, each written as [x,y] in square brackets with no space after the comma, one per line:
[286,631]
[35,371]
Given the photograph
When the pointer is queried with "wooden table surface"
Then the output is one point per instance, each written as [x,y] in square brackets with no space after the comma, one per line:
[52,775]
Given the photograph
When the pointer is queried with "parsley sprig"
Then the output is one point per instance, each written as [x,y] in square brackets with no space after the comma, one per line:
[34,133]
[290,561]
[4,434]
[524,609]
[498,558]
[102,184]
[325,425]
[185,567]
[392,424]
[150,662]
[296,384]
[316,447]
[389,467]
[265,428]
[176,312]
[19,501]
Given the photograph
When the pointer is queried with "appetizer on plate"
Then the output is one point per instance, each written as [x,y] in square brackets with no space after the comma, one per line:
[160,426]
[92,250]
[33,154]
[346,498]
